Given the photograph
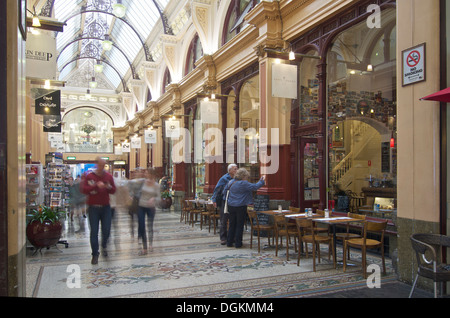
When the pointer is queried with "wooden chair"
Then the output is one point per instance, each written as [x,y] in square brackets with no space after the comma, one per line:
[428,250]
[283,229]
[212,217]
[305,227]
[193,212]
[323,228]
[204,216]
[294,209]
[255,226]
[347,235]
[365,243]
[184,212]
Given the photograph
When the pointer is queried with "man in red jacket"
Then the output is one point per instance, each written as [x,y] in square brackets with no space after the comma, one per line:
[98,185]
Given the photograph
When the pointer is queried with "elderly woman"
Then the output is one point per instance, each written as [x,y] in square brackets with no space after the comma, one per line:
[240,195]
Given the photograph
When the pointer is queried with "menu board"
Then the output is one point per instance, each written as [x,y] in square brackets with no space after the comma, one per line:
[261,203]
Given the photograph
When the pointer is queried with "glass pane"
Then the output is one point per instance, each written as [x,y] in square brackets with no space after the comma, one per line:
[249,109]
[311,172]
[88,130]
[309,90]
[362,115]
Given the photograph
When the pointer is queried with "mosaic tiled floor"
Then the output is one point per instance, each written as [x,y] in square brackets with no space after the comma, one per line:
[185,262]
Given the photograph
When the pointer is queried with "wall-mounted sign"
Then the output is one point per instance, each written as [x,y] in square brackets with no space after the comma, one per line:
[136,143]
[41,56]
[414,65]
[52,123]
[49,104]
[209,112]
[284,81]
[150,136]
[126,147]
[172,129]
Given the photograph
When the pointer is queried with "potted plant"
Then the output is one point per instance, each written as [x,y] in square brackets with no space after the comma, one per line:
[166,199]
[44,228]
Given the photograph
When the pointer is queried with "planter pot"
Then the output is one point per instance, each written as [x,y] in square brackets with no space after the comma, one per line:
[166,203]
[44,234]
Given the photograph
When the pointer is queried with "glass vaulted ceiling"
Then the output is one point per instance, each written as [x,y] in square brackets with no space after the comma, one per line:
[87,24]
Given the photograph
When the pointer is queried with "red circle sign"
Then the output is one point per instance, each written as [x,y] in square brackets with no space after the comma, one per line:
[413,58]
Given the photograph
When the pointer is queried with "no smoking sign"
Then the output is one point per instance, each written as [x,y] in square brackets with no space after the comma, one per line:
[413,65]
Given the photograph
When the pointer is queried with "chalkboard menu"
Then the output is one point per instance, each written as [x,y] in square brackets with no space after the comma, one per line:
[261,203]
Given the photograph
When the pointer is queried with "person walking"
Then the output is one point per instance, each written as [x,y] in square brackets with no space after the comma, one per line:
[98,185]
[239,197]
[218,202]
[150,195]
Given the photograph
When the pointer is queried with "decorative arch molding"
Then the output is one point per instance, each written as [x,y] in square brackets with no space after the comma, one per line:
[103,60]
[115,119]
[81,38]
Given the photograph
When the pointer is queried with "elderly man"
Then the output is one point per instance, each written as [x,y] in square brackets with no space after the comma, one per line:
[217,199]
[98,185]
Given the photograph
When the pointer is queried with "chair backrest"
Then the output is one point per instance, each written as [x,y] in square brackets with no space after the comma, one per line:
[253,217]
[426,254]
[294,209]
[375,227]
[303,224]
[320,213]
[280,222]
[356,216]
[210,208]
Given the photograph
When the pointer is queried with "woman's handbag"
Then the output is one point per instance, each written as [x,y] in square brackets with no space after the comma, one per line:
[225,208]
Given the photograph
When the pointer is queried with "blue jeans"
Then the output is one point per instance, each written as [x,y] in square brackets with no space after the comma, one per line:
[142,212]
[237,219]
[96,215]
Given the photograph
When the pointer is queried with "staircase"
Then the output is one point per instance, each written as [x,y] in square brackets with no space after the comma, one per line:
[343,173]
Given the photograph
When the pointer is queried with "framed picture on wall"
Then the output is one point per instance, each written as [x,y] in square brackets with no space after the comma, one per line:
[23,18]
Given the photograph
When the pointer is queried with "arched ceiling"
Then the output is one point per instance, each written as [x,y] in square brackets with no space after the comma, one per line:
[89,23]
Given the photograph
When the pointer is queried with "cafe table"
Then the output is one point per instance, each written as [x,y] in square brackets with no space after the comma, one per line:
[275,212]
[332,222]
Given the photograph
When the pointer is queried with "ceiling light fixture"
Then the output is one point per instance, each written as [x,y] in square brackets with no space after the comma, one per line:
[93,83]
[98,67]
[119,9]
[107,44]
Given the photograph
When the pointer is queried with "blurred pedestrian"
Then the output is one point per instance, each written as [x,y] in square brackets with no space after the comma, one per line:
[150,195]
[98,185]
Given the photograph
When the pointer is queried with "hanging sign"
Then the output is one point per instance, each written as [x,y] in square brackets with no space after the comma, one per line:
[41,55]
[284,81]
[413,65]
[172,129]
[126,147]
[150,136]
[209,112]
[49,104]
[52,123]
[118,150]
[136,143]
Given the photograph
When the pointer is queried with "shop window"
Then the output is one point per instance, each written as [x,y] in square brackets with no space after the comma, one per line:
[167,79]
[309,90]
[361,74]
[88,130]
[249,121]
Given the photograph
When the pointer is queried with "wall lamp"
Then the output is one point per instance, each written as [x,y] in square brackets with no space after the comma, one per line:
[292,55]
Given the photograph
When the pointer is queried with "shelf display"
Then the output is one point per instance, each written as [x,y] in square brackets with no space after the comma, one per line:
[56,185]
[34,186]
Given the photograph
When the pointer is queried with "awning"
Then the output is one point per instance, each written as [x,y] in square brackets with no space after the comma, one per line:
[441,96]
